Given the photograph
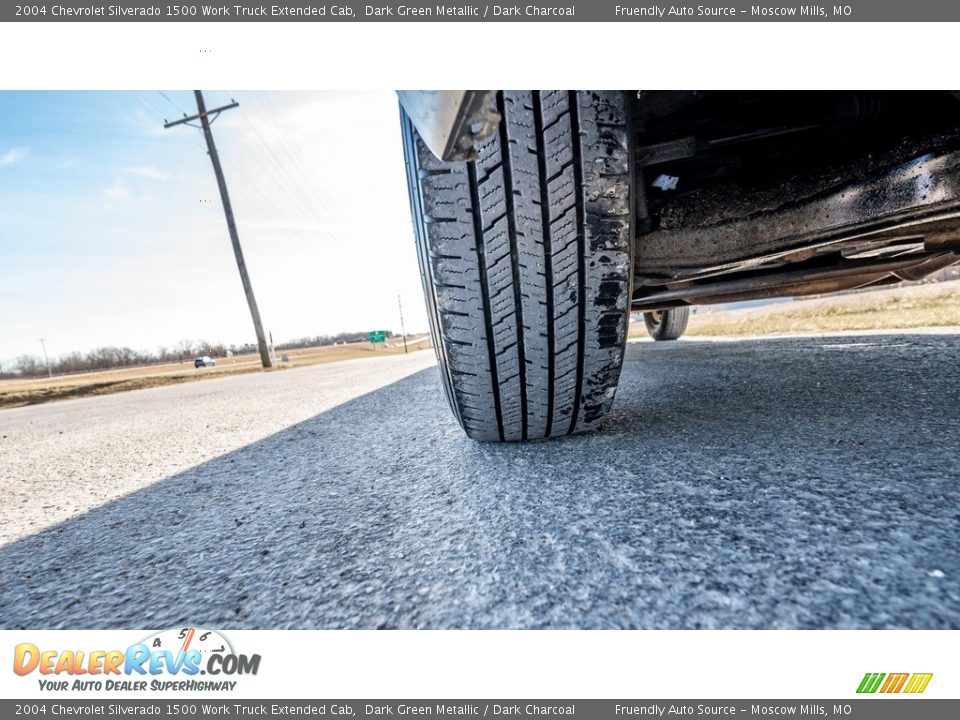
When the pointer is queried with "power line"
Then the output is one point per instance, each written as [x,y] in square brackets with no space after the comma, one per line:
[272,213]
[270,210]
[306,169]
[271,166]
[146,104]
[283,178]
[280,180]
[312,190]
[167,98]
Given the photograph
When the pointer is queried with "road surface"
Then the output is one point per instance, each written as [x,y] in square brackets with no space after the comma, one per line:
[791,483]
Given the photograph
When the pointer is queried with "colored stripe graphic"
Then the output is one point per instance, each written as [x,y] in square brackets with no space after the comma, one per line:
[870,682]
[894,682]
[918,682]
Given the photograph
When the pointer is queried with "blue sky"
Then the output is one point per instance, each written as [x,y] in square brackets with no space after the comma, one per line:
[112,232]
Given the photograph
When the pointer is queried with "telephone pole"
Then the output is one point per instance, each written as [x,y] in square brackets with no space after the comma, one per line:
[203,115]
[403,330]
[46,360]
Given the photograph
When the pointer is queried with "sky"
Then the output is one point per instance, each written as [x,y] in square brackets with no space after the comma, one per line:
[112,231]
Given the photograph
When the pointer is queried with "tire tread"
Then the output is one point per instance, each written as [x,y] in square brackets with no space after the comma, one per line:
[525,257]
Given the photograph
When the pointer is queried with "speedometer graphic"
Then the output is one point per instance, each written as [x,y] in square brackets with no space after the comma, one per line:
[182,640]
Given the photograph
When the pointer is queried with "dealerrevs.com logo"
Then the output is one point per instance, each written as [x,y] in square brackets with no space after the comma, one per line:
[170,660]
[894,683]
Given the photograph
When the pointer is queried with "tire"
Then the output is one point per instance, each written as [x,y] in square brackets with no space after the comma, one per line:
[526,261]
[667,324]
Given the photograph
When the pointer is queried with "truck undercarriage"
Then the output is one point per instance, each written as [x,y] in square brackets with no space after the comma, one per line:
[745,195]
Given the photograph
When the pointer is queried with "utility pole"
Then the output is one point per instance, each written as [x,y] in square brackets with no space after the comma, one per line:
[403,330]
[204,116]
[46,360]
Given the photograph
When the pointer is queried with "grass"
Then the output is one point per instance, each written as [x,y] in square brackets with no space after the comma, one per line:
[916,306]
[31,391]
[900,308]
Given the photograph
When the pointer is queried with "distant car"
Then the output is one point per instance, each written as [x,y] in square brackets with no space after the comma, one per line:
[205,361]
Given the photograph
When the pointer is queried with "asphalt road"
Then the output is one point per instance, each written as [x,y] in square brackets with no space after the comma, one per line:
[793,483]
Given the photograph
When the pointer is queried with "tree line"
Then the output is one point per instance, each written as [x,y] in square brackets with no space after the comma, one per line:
[320,340]
[110,358]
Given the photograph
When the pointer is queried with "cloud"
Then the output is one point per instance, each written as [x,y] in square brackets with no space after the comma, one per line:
[14,155]
[117,191]
[150,172]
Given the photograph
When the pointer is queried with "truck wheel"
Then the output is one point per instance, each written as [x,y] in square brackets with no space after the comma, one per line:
[667,324]
[526,260]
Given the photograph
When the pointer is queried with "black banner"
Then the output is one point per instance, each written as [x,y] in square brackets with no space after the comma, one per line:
[878,708]
[424,11]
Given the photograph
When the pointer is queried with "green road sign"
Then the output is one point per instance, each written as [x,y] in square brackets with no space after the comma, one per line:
[377,336]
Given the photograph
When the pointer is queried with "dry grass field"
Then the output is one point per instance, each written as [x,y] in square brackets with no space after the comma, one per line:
[37,390]
[914,306]
[917,306]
